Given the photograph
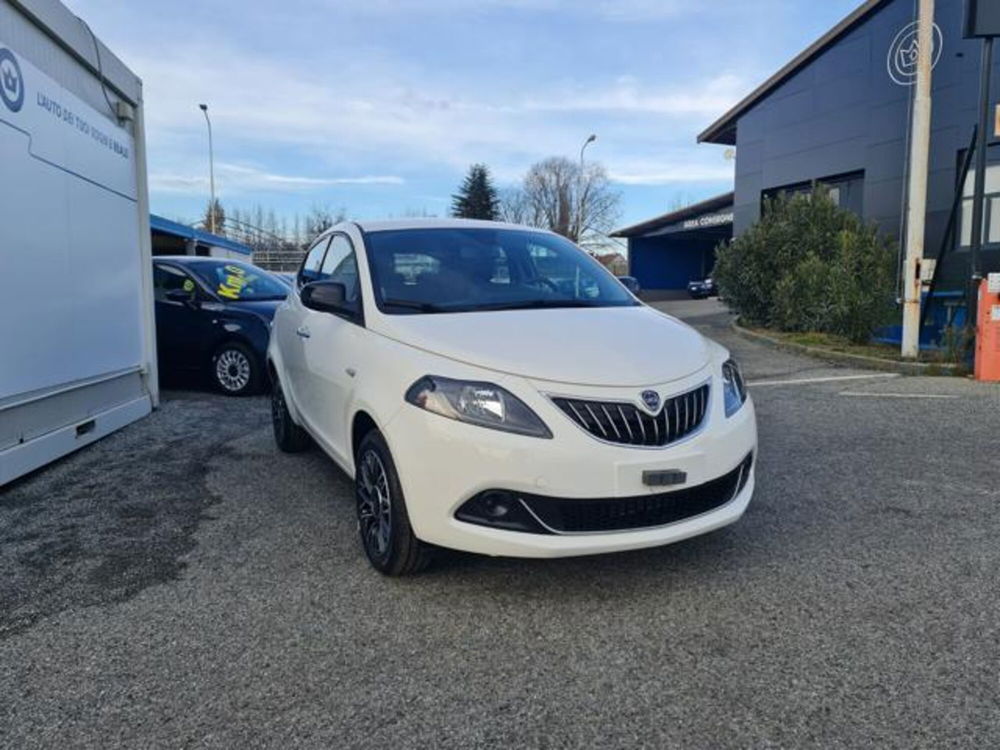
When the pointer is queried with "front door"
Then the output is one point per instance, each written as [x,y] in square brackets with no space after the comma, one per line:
[331,349]
[179,330]
[291,330]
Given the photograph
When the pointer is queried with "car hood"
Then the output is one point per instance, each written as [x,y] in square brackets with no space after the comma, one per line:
[613,346]
[263,308]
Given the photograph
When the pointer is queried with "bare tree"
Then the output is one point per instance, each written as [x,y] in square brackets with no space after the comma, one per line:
[278,242]
[558,195]
[321,218]
[515,208]
[598,209]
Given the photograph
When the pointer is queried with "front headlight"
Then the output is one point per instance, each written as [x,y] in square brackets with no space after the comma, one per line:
[733,387]
[483,404]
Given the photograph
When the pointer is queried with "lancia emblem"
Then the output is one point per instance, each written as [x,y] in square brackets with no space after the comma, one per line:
[652,400]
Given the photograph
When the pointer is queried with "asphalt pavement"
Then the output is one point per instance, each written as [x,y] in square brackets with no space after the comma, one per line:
[183,584]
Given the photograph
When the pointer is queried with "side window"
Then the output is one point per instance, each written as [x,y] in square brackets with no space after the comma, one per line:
[341,265]
[313,261]
[991,208]
[167,279]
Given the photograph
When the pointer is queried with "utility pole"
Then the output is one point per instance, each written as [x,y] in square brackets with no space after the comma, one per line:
[916,218]
[211,170]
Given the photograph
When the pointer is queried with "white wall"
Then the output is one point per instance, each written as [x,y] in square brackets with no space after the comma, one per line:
[70,284]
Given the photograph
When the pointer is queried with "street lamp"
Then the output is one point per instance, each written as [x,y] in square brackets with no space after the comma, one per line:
[583,148]
[211,170]
[579,198]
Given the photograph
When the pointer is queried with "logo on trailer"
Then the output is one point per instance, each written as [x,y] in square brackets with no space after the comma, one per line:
[905,51]
[11,81]
[652,400]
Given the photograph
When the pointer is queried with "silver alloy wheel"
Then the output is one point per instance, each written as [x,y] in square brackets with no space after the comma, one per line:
[232,370]
[374,507]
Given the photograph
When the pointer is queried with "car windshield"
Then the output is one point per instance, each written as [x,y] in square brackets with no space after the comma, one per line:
[232,280]
[476,269]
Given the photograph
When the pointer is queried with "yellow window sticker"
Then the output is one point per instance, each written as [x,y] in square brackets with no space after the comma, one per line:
[188,285]
[232,285]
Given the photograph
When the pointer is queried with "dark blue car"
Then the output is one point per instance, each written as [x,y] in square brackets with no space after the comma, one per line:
[213,316]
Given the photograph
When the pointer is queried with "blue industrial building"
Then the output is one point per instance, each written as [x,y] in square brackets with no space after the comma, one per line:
[174,238]
[668,251]
[839,114]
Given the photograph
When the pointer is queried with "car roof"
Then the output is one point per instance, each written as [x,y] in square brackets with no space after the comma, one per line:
[385,225]
[197,258]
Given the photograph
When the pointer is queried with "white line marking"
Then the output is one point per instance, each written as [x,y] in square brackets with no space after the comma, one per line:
[861,394]
[832,379]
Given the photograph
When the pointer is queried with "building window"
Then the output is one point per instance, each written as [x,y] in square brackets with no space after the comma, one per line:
[846,190]
[991,209]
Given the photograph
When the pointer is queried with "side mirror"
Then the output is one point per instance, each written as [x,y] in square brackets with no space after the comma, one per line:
[328,297]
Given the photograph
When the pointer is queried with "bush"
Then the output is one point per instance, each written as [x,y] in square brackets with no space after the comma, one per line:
[809,265]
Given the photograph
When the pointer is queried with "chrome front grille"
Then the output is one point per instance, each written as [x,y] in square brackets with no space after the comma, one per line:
[627,424]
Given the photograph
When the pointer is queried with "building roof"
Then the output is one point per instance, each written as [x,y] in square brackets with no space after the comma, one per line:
[162,224]
[723,130]
[675,217]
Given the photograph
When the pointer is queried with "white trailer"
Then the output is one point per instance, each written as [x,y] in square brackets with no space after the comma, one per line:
[77,336]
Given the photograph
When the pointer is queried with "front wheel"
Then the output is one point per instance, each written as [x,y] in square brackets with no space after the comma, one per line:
[386,535]
[289,436]
[235,370]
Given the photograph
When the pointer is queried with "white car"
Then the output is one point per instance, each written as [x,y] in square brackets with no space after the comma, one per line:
[492,388]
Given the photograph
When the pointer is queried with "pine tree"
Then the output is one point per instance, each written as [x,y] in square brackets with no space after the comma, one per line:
[477,197]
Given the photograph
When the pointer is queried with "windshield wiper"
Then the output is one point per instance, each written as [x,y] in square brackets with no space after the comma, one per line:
[409,304]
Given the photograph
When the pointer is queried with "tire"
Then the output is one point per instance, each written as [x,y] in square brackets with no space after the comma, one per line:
[235,370]
[383,523]
[289,437]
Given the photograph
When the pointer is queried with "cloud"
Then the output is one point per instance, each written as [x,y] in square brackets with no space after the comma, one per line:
[388,108]
[235,179]
[709,98]
[376,115]
[670,176]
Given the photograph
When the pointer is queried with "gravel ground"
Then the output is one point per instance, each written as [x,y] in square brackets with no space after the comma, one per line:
[181,583]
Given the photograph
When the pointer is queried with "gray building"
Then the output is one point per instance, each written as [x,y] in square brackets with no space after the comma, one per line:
[839,114]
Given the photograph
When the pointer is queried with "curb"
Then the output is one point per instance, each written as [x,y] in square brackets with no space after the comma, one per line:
[859,360]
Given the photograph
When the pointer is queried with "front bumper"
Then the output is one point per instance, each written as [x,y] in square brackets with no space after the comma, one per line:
[443,463]
[539,514]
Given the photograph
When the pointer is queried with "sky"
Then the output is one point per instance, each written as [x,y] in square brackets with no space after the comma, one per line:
[378,107]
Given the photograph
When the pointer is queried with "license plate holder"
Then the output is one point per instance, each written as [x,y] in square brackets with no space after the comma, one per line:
[664,478]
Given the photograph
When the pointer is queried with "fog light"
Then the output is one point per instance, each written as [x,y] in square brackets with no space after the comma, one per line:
[496,504]
[499,509]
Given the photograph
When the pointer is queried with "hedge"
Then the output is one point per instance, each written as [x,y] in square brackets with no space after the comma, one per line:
[809,265]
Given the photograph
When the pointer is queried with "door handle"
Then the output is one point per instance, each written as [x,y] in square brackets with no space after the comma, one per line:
[303,332]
